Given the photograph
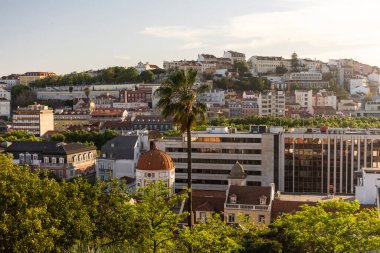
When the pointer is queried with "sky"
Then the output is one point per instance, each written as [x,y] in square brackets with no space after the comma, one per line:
[77,35]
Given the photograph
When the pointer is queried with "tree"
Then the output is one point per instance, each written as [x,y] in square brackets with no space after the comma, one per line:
[212,236]
[147,76]
[178,100]
[241,67]
[155,217]
[87,92]
[331,226]
[280,70]
[294,62]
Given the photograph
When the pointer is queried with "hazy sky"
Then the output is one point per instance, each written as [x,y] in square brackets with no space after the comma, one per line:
[75,35]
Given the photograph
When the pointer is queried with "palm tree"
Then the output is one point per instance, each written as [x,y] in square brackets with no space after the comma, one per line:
[178,100]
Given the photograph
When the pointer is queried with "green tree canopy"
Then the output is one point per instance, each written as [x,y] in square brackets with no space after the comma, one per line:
[331,226]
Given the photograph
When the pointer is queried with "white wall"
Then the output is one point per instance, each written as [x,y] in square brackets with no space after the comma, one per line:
[366,194]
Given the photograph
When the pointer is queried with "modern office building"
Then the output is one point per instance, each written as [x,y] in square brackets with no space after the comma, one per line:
[217,149]
[36,119]
[326,160]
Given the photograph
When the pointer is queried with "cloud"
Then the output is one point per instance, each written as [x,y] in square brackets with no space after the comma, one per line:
[177,32]
[194,45]
[122,57]
[312,28]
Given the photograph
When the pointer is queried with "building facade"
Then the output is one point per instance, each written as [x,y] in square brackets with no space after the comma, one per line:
[119,156]
[36,119]
[271,103]
[64,160]
[215,150]
[325,160]
[29,77]
[155,165]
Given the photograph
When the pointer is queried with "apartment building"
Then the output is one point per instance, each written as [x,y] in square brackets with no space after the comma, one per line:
[63,119]
[217,149]
[371,109]
[271,103]
[325,98]
[65,160]
[119,156]
[212,97]
[234,56]
[344,74]
[305,76]
[326,160]
[305,99]
[36,119]
[267,64]
[29,77]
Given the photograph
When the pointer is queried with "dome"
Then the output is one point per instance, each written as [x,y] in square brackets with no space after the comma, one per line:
[237,172]
[155,159]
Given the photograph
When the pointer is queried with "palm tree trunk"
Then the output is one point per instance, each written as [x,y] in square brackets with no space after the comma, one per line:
[189,180]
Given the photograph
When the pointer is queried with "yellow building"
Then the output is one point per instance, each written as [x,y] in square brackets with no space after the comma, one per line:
[64,119]
[251,203]
[29,77]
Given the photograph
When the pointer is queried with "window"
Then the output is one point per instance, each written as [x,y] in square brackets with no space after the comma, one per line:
[233,199]
[21,157]
[46,159]
[231,218]
[80,157]
[53,160]
[263,200]
[61,160]
[261,218]
[75,158]
[90,155]
[202,216]
[60,173]
[246,217]
[35,157]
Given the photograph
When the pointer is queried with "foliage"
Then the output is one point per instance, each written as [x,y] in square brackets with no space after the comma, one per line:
[19,135]
[241,67]
[331,226]
[39,214]
[280,70]
[22,96]
[341,93]
[294,62]
[212,236]
[287,123]
[245,83]
[83,136]
[178,100]
[155,218]
[147,76]
[111,75]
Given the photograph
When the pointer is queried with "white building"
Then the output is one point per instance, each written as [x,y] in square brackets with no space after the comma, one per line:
[305,76]
[359,86]
[5,94]
[9,83]
[212,97]
[305,99]
[5,108]
[368,185]
[374,77]
[143,67]
[271,103]
[348,105]
[265,64]
[155,165]
[119,156]
[217,149]
[371,109]
[234,56]
[325,98]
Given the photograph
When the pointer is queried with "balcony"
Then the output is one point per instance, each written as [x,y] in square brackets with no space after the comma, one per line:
[247,207]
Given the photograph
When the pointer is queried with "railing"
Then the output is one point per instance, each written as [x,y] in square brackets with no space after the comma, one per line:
[247,207]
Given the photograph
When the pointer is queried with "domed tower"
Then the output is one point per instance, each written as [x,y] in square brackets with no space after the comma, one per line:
[237,175]
[155,165]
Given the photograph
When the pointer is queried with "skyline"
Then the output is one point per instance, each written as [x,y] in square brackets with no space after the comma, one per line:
[80,35]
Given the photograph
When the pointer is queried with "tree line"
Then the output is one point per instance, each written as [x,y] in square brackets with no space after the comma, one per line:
[288,123]
[94,138]
[111,75]
[40,214]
